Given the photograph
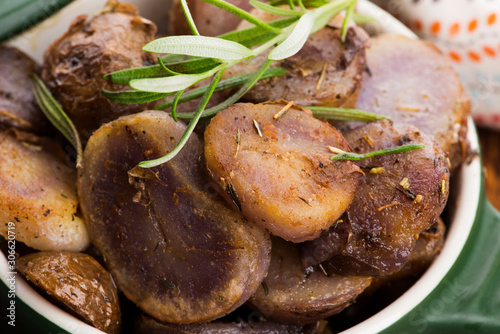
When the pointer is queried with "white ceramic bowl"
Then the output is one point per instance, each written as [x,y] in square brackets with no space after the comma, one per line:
[36,40]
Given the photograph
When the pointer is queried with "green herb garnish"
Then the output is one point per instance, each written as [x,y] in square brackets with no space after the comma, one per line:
[385,151]
[54,113]
[210,56]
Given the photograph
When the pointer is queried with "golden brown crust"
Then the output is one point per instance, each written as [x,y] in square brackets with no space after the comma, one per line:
[283,180]
[38,193]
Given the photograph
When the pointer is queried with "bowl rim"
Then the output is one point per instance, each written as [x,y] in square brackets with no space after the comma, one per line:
[467,204]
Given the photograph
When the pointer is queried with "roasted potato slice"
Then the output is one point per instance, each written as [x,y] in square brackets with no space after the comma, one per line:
[172,246]
[292,294]
[78,283]
[400,196]
[324,72]
[38,194]
[18,108]
[411,81]
[146,324]
[427,247]
[277,172]
[74,65]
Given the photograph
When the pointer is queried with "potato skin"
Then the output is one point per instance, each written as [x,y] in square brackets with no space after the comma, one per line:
[377,234]
[78,282]
[171,244]
[74,65]
[296,295]
[18,108]
[342,64]
[38,194]
[430,97]
[284,180]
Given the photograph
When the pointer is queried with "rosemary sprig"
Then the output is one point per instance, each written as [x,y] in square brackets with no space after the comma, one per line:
[214,55]
[53,111]
[385,151]
[231,82]
[344,114]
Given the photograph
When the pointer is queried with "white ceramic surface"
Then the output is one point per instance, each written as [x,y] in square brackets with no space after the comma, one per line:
[37,39]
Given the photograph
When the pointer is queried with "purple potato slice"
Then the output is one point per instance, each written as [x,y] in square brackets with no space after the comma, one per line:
[393,205]
[171,245]
[294,295]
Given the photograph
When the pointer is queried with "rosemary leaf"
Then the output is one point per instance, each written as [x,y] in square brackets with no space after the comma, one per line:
[134,96]
[350,10]
[165,68]
[235,81]
[174,104]
[200,46]
[54,113]
[275,10]
[361,18]
[243,15]
[343,114]
[324,14]
[124,76]
[171,84]
[189,17]
[190,66]
[385,151]
[297,38]
[189,129]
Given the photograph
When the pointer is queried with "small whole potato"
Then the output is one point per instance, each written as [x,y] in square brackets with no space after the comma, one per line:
[77,282]
[74,65]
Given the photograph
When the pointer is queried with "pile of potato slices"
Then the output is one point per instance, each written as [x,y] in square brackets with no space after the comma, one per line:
[251,228]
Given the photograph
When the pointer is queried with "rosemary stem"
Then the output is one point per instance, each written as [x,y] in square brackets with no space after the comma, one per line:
[189,129]
[243,14]
[385,151]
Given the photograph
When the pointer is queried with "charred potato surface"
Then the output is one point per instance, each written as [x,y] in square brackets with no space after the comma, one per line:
[277,172]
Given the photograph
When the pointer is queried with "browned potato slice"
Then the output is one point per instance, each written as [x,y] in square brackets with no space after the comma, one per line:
[172,247]
[324,72]
[209,19]
[283,180]
[38,194]
[292,294]
[149,325]
[77,282]
[18,107]
[412,82]
[427,247]
[392,206]
[75,64]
